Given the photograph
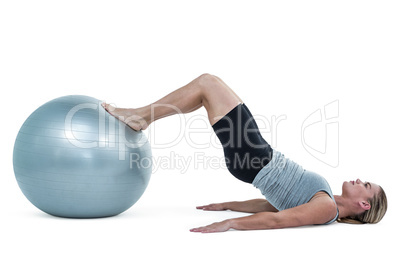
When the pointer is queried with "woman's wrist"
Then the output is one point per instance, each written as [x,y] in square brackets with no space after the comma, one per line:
[227,206]
[230,223]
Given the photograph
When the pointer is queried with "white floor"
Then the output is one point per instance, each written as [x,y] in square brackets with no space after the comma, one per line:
[335,64]
[154,233]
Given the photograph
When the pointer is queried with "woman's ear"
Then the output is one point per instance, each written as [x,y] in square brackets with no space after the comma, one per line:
[364,205]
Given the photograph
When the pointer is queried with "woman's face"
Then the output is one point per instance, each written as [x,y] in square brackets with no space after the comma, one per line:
[358,190]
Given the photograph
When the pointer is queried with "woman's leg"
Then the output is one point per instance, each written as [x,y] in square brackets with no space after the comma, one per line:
[206,90]
[246,151]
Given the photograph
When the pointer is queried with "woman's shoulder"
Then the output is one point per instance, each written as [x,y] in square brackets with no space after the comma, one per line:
[327,204]
[321,209]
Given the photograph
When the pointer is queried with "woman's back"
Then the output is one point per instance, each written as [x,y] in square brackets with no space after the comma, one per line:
[285,184]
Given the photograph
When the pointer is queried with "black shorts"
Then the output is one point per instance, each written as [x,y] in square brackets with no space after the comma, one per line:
[246,151]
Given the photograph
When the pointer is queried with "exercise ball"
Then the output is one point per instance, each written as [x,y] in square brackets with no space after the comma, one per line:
[73,159]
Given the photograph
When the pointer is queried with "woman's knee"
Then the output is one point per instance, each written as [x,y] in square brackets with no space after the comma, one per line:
[208,80]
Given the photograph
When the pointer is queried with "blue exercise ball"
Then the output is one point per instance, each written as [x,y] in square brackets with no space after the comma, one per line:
[73,159]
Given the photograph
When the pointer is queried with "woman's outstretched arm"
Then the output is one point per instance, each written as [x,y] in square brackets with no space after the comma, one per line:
[317,211]
[249,206]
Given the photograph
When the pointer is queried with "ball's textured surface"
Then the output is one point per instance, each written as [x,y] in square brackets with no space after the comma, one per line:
[73,159]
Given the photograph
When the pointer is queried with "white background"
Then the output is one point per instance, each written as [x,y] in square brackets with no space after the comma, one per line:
[281,57]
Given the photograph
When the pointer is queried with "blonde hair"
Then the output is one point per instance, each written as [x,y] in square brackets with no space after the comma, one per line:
[379,205]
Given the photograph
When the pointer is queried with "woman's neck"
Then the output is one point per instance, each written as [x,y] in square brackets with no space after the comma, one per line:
[343,206]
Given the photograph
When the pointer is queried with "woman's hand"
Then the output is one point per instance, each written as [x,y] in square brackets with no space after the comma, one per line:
[222,226]
[213,207]
[214,227]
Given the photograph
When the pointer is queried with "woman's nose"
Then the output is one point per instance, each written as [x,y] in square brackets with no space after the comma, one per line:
[358,181]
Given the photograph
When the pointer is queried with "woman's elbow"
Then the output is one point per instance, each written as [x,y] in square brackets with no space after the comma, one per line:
[280,221]
[272,221]
[276,222]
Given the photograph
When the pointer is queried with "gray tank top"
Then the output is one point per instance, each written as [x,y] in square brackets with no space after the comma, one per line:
[285,184]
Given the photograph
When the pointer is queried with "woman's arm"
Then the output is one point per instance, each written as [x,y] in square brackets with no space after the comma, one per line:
[317,211]
[249,206]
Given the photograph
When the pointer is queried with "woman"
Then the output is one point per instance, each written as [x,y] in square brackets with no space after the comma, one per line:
[294,196]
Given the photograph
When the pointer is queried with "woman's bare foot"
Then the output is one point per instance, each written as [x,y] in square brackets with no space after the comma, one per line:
[130,117]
